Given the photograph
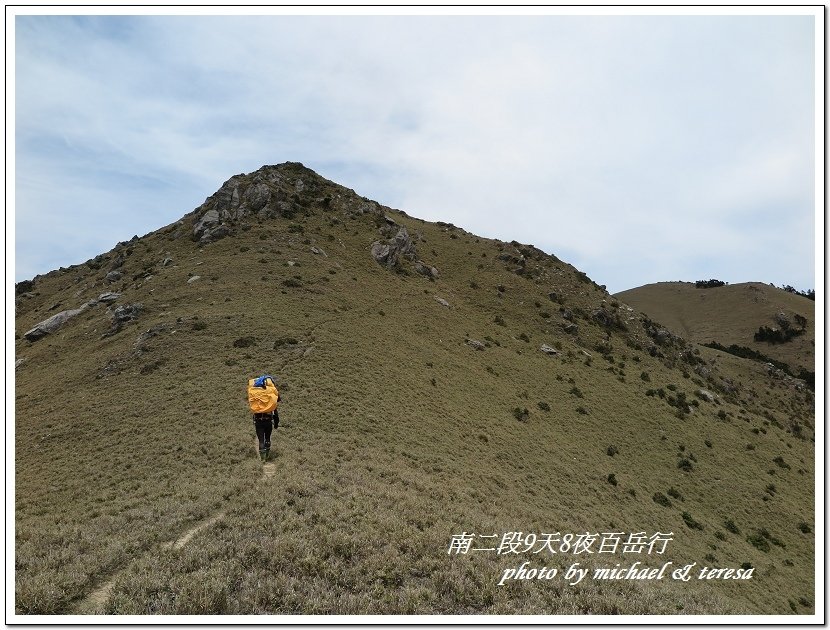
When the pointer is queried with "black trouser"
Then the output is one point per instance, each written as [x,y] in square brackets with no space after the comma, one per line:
[262,425]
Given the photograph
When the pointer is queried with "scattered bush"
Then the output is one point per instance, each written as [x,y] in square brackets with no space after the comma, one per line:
[810,294]
[674,494]
[781,463]
[759,542]
[661,499]
[244,342]
[804,528]
[582,411]
[777,335]
[544,406]
[709,284]
[612,479]
[691,523]
[576,392]
[612,450]
[749,353]
[685,465]
[521,414]
[285,341]
[729,525]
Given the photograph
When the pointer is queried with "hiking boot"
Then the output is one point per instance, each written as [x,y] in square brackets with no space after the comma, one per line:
[263,455]
[267,452]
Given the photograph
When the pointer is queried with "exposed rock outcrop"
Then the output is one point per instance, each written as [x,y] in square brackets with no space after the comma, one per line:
[475,344]
[123,315]
[425,270]
[398,248]
[389,254]
[50,325]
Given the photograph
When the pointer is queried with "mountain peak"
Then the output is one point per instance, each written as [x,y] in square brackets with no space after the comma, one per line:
[284,190]
[458,382]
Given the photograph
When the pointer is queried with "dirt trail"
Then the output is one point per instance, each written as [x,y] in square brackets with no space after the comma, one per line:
[94,602]
[185,538]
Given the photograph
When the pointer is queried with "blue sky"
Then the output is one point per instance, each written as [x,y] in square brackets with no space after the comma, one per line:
[639,149]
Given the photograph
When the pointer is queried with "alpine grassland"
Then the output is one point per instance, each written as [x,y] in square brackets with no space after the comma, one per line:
[732,314]
[435,385]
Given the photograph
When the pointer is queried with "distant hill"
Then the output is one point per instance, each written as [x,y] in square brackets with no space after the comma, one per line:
[731,314]
[453,407]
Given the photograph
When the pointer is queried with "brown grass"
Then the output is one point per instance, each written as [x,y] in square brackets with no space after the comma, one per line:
[395,435]
[731,314]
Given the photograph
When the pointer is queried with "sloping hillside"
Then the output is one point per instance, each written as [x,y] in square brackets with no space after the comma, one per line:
[732,314]
[436,385]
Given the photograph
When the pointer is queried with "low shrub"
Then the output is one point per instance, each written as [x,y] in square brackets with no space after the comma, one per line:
[661,499]
[691,523]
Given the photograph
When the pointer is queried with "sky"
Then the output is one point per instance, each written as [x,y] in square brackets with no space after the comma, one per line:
[637,148]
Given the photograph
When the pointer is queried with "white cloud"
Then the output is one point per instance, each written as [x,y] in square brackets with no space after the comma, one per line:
[634,145]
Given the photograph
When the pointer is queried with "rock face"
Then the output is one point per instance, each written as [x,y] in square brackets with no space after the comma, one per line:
[48,326]
[390,253]
[548,350]
[261,195]
[123,315]
[24,286]
[398,248]
[203,227]
[382,253]
[603,317]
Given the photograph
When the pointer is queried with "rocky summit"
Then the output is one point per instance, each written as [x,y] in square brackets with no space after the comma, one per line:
[467,426]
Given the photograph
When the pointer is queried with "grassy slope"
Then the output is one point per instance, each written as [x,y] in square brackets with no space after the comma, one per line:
[731,314]
[396,435]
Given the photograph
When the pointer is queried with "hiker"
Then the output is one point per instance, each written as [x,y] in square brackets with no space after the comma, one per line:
[263,398]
